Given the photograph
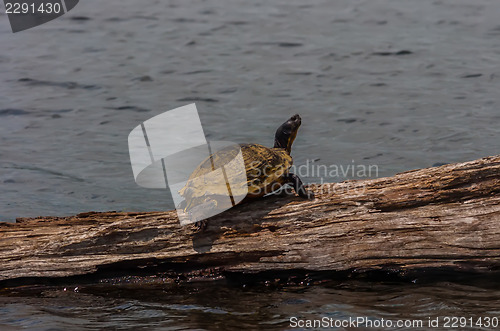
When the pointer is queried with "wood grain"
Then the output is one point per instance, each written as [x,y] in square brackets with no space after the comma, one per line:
[442,217]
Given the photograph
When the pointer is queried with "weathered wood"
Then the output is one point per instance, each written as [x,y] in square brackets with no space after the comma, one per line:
[445,217]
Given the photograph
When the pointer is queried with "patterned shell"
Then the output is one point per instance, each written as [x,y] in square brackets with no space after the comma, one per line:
[264,169]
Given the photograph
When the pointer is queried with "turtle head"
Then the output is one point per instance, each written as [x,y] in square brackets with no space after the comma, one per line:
[286,133]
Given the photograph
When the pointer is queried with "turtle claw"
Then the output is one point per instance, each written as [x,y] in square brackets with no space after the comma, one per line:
[306,194]
[200,226]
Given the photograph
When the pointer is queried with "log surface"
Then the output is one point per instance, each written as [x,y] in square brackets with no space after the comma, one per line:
[446,216]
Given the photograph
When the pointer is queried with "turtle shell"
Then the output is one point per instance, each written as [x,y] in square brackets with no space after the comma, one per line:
[264,167]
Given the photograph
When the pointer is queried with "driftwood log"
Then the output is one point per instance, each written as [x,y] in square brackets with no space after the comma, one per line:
[441,217]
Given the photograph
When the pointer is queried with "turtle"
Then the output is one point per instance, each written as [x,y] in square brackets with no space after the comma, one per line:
[267,170]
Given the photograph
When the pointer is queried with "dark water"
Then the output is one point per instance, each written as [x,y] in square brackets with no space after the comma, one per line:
[218,307]
[397,84]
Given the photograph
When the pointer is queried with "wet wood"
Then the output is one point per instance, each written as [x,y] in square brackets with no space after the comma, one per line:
[442,217]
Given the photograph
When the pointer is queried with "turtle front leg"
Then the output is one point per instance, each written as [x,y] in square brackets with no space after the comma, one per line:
[298,186]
